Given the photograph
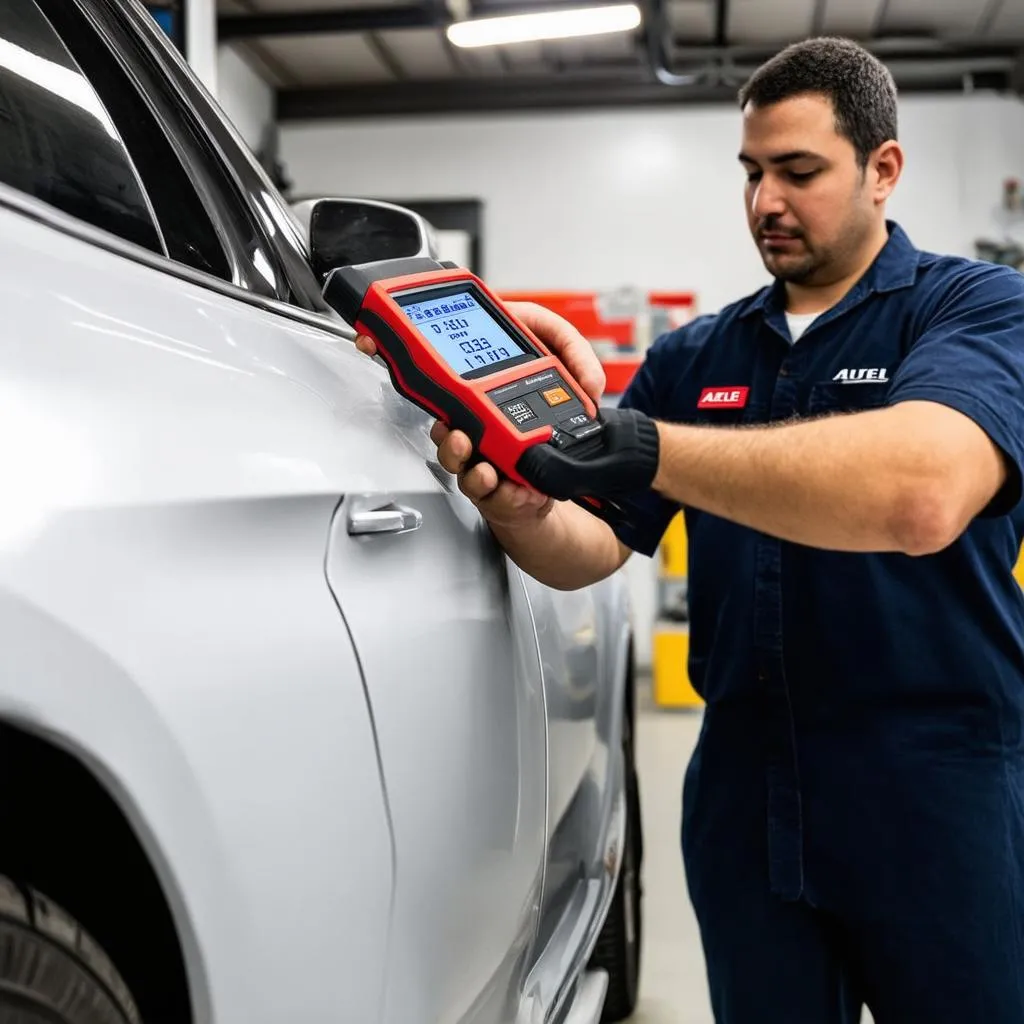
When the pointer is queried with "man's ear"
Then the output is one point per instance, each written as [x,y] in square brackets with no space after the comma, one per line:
[887,165]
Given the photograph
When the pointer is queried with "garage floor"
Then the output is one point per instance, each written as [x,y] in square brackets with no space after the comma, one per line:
[672,985]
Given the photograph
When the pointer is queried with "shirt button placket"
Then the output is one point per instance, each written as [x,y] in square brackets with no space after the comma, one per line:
[785,839]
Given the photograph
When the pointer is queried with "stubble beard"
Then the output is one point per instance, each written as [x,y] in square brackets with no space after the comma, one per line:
[795,271]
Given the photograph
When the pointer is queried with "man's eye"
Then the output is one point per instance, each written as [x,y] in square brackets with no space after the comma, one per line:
[802,175]
[754,176]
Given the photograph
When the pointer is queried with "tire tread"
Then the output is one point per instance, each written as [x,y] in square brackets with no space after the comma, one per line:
[47,955]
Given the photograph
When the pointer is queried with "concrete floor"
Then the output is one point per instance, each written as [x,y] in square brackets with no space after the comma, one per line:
[673,989]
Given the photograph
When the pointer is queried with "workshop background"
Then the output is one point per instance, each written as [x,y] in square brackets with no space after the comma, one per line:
[601,173]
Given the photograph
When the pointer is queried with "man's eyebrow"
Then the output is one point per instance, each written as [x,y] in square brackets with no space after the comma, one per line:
[784,158]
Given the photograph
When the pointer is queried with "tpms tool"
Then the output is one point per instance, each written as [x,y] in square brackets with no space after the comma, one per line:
[453,348]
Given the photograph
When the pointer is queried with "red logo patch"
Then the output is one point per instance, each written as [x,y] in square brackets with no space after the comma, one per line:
[723,398]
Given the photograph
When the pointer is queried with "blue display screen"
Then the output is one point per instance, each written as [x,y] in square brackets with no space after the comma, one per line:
[464,333]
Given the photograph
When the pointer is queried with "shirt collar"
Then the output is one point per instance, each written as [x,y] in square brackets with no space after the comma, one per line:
[894,267]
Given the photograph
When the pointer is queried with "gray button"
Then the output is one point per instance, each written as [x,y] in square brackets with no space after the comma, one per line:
[588,430]
[574,422]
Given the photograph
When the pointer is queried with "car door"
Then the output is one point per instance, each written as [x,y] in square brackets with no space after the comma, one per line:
[444,639]
[441,627]
[582,774]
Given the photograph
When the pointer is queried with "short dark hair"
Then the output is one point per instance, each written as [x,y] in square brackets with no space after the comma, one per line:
[859,85]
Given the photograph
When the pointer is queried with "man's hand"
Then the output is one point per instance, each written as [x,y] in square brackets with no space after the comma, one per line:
[557,543]
[627,463]
[501,502]
[559,335]
[566,342]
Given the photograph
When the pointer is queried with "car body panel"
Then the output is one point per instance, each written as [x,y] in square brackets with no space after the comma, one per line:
[156,544]
[447,647]
[379,778]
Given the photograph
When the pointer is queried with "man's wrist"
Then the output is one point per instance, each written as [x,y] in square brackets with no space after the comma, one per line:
[659,483]
[526,530]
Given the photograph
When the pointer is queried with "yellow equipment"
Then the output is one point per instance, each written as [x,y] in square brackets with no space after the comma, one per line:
[670,649]
[671,646]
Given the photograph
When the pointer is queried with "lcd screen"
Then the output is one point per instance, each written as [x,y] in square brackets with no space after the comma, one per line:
[464,333]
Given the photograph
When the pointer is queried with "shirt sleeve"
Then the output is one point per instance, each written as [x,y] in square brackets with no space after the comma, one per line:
[648,513]
[971,358]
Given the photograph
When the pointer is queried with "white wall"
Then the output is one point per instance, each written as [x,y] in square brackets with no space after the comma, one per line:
[246,98]
[651,198]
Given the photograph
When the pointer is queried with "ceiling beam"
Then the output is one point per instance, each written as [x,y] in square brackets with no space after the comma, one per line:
[989,16]
[468,96]
[356,19]
[818,17]
[886,49]
[307,23]
[385,55]
[721,23]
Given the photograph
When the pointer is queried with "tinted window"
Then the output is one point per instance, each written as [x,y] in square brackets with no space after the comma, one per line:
[57,141]
[269,233]
[186,227]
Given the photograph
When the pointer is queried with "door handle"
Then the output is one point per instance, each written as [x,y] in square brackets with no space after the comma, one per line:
[389,518]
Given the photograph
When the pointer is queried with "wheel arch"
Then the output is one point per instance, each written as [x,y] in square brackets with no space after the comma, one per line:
[68,837]
[85,756]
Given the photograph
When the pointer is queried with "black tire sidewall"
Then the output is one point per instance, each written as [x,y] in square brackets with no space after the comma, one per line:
[51,966]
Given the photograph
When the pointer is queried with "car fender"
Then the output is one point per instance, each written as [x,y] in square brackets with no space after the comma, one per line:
[105,721]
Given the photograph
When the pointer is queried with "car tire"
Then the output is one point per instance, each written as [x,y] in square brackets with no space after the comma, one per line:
[619,947]
[51,970]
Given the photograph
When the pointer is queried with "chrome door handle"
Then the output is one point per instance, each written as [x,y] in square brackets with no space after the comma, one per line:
[386,519]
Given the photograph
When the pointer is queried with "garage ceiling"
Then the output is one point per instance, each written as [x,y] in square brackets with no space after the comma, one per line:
[331,58]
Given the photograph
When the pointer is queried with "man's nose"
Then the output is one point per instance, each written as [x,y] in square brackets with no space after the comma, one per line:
[768,199]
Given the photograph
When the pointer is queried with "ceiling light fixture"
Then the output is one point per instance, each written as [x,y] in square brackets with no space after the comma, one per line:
[563,24]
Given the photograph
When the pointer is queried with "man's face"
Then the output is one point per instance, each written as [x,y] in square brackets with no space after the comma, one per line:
[808,202]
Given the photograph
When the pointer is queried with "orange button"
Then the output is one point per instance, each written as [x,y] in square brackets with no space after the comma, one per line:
[556,396]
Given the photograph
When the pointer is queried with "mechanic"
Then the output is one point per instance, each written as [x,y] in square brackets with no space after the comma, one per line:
[847,444]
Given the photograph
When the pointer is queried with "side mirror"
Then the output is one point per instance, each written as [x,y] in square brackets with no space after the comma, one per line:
[345,232]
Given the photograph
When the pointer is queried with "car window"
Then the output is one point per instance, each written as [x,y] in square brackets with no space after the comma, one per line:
[130,34]
[247,191]
[57,141]
[188,231]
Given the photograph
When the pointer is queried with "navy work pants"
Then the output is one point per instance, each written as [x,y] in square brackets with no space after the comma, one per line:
[910,864]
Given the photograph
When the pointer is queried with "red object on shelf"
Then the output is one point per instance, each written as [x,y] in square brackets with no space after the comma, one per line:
[582,310]
[619,373]
[670,310]
[672,299]
[664,311]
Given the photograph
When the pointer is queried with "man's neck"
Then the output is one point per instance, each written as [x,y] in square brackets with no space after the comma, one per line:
[819,298]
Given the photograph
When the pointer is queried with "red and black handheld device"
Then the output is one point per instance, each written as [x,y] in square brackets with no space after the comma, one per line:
[455,350]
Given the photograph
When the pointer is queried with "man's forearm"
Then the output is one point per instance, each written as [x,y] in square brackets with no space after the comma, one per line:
[874,481]
[567,549]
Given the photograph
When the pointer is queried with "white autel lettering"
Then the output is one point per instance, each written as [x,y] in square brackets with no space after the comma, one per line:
[863,376]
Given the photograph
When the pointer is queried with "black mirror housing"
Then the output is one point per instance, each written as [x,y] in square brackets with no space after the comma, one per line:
[348,232]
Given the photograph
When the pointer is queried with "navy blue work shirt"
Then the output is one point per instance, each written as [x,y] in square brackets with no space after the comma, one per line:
[837,684]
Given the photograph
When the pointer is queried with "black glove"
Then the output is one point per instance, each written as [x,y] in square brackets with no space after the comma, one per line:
[626,460]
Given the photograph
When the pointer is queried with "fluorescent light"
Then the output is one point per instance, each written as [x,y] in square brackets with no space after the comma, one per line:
[565,24]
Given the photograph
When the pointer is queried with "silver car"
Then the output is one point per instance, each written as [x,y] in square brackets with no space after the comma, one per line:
[284,736]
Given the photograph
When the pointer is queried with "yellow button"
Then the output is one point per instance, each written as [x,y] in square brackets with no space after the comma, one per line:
[556,396]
